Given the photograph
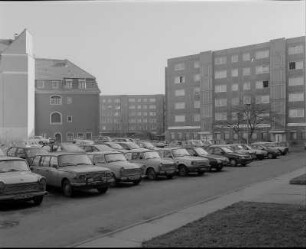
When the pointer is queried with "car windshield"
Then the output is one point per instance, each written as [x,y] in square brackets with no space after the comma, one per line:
[116,157]
[148,145]
[180,152]
[197,143]
[132,145]
[73,160]
[151,155]
[31,152]
[13,165]
[115,146]
[245,147]
[102,147]
[226,149]
[70,148]
[201,151]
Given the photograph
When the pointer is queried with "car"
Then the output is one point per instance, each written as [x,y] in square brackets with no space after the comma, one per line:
[260,154]
[115,146]
[216,162]
[240,149]
[147,145]
[283,150]
[272,153]
[235,158]
[122,170]
[1,152]
[193,142]
[96,147]
[304,145]
[186,163]
[128,145]
[102,139]
[17,182]
[71,171]
[68,147]
[25,152]
[40,139]
[122,139]
[154,165]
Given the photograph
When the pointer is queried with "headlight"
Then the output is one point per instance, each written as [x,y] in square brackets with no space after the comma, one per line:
[42,184]
[82,178]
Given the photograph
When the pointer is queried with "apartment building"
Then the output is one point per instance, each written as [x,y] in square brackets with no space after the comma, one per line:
[66,100]
[204,89]
[132,114]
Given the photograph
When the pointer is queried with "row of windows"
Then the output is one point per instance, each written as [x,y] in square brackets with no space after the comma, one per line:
[67,84]
[142,120]
[182,105]
[182,118]
[142,107]
[142,128]
[142,100]
[152,114]
[58,100]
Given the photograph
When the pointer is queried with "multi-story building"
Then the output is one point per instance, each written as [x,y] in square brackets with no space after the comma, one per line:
[132,114]
[66,100]
[204,89]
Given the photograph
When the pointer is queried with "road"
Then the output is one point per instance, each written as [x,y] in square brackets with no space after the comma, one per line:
[62,222]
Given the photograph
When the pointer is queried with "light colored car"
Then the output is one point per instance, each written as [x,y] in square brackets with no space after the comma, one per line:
[185,162]
[260,154]
[96,147]
[154,165]
[147,145]
[115,146]
[128,145]
[122,170]
[17,182]
[71,171]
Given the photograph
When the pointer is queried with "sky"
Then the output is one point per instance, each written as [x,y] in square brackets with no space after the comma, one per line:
[126,44]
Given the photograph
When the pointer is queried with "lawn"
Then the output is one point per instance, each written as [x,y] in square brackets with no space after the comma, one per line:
[243,224]
[300,180]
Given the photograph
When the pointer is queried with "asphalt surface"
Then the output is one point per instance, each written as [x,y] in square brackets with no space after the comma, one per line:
[62,222]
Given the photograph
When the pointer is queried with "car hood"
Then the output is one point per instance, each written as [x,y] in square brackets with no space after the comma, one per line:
[214,157]
[19,177]
[119,165]
[192,158]
[83,169]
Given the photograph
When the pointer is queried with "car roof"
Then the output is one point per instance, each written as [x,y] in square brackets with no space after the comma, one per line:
[139,150]
[10,158]
[59,153]
[104,152]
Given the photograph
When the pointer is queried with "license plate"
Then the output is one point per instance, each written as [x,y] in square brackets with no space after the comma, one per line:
[21,196]
[89,180]
[133,177]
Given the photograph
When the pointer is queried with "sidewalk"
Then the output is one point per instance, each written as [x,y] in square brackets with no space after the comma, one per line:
[276,190]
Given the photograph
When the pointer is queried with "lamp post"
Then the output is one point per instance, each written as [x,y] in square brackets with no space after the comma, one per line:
[248,117]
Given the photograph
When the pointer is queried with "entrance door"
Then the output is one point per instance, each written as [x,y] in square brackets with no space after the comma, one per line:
[58,137]
[279,137]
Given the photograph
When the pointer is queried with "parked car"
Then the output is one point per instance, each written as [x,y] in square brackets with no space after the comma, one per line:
[17,182]
[71,171]
[122,170]
[283,150]
[260,154]
[102,139]
[116,146]
[67,147]
[272,153]
[185,162]
[235,158]
[40,139]
[25,152]
[123,139]
[240,149]
[154,165]
[193,142]
[128,145]
[216,162]
[147,145]
[96,147]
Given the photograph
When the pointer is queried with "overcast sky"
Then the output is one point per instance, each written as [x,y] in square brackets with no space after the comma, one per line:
[126,44]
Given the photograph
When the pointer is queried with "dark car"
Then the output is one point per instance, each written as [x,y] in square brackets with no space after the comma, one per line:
[234,157]
[216,162]
[282,149]
[272,153]
[25,152]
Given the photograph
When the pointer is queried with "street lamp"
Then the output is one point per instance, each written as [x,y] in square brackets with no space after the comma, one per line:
[248,117]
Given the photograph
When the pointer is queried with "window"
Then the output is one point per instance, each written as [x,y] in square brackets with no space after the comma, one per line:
[220,74]
[69,119]
[69,100]
[296,113]
[246,71]
[220,88]
[152,106]
[220,60]
[80,135]
[68,83]
[235,87]
[55,118]
[82,84]
[132,107]
[235,101]
[180,66]
[221,116]
[196,117]
[234,58]
[138,106]
[197,77]
[55,100]
[152,100]
[196,64]
[265,83]
[152,114]
[179,79]
[220,102]
[246,56]
[262,69]
[247,86]
[265,99]
[69,136]
[40,84]
[54,84]
[295,65]
[138,100]
[296,49]
[131,100]
[88,135]
[179,118]
[297,81]
[235,72]
[180,92]
[179,105]
[234,116]
[293,97]
[144,107]
[262,54]
[196,104]
[246,99]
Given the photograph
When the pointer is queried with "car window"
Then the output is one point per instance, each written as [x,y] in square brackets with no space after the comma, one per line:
[167,154]
[53,161]
[87,148]
[35,161]
[99,159]
[45,161]
[135,156]
[128,156]
[20,152]
[11,151]
[191,152]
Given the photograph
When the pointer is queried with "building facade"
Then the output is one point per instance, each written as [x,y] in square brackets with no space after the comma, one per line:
[132,114]
[203,90]
[17,75]
[67,101]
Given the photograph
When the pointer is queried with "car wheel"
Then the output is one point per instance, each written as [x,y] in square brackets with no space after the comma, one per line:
[151,174]
[38,200]
[200,173]
[137,182]
[270,155]
[102,190]
[243,164]
[170,176]
[233,162]
[183,170]
[67,188]
[219,169]
[114,182]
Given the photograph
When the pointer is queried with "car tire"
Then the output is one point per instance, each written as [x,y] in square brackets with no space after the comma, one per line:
[233,162]
[219,169]
[102,190]
[136,182]
[200,173]
[67,188]
[182,170]
[38,200]
[270,156]
[243,164]
[151,174]
[114,182]
[170,176]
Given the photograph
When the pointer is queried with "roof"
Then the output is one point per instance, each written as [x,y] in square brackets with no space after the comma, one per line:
[9,158]
[139,150]
[56,69]
[104,152]
[4,43]
[59,153]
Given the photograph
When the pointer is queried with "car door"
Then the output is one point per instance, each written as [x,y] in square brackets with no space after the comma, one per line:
[44,168]
[53,173]
[11,152]
[35,165]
